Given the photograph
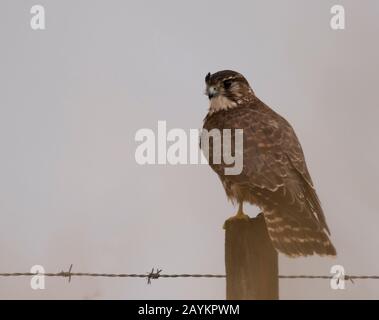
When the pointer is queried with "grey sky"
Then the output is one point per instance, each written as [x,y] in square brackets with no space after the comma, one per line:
[74,95]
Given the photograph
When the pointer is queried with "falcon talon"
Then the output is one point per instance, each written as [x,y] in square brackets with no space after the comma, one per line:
[237,217]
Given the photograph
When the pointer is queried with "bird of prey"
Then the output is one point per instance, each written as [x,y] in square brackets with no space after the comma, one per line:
[274,176]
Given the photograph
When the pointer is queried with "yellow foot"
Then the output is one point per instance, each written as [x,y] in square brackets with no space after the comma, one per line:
[238,216]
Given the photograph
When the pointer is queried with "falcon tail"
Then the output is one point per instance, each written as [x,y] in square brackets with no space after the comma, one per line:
[297,239]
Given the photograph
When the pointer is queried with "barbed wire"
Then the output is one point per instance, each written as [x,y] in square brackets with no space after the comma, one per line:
[156,274]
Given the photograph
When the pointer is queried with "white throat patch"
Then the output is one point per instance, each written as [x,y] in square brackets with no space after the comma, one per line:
[219,103]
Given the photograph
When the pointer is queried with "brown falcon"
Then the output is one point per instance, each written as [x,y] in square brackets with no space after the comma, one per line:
[274,175]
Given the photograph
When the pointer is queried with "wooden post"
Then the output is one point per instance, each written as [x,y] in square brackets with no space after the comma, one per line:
[251,261]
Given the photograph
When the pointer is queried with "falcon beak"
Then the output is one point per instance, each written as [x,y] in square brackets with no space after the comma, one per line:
[212,92]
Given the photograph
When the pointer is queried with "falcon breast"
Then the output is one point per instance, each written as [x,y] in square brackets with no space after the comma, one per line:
[274,175]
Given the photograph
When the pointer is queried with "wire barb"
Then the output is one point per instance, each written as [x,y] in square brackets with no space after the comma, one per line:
[67,274]
[153,275]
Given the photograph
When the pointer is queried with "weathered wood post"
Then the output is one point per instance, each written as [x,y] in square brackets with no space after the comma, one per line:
[251,261]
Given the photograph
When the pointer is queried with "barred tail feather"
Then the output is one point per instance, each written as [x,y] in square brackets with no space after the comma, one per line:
[297,239]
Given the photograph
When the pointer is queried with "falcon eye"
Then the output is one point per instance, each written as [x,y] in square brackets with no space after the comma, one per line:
[227,84]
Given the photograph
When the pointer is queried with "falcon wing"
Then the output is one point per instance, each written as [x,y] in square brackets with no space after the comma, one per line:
[274,164]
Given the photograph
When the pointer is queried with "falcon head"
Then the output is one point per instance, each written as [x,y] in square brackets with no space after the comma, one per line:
[227,89]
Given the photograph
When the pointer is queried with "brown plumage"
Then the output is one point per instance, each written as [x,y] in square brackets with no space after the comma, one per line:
[274,175]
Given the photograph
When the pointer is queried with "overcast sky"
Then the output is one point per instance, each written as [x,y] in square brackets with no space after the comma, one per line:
[72,97]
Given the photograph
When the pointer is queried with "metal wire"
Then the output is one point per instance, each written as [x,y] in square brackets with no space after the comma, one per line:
[152,275]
